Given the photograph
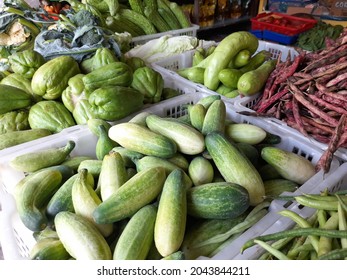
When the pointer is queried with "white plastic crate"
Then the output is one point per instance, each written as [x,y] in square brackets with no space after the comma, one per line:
[185,60]
[17,240]
[140,40]
[246,103]
[335,181]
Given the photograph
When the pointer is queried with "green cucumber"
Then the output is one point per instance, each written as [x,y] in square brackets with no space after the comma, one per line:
[137,192]
[171,218]
[234,166]
[245,133]
[49,249]
[81,238]
[12,138]
[137,237]
[200,171]
[222,200]
[215,117]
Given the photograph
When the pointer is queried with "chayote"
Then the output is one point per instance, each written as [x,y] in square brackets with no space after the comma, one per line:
[115,102]
[50,80]
[14,121]
[102,56]
[51,115]
[13,98]
[83,112]
[74,92]
[135,62]
[26,62]
[149,82]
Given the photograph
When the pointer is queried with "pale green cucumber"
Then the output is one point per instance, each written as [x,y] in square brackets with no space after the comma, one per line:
[12,138]
[128,156]
[197,114]
[200,171]
[234,166]
[245,133]
[113,174]
[81,238]
[140,139]
[85,200]
[189,140]
[75,161]
[33,161]
[172,214]
[206,101]
[104,143]
[150,161]
[215,117]
[137,192]
[137,237]
[49,249]
[92,165]
[180,160]
[289,165]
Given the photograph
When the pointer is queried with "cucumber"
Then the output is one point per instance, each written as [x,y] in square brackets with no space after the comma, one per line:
[85,200]
[74,162]
[137,237]
[208,100]
[180,160]
[149,162]
[253,81]
[200,171]
[171,218]
[215,117]
[245,133]
[275,187]
[140,139]
[49,249]
[221,200]
[92,165]
[81,238]
[178,255]
[94,124]
[229,77]
[189,140]
[234,166]
[128,156]
[197,114]
[33,161]
[104,143]
[113,175]
[12,138]
[137,192]
[203,230]
[289,165]
[32,194]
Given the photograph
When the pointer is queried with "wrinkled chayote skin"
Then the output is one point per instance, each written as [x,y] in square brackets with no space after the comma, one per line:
[102,56]
[50,80]
[149,82]
[74,92]
[26,62]
[14,121]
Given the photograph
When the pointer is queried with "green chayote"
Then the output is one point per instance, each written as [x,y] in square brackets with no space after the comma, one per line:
[74,92]
[26,62]
[149,82]
[14,121]
[102,56]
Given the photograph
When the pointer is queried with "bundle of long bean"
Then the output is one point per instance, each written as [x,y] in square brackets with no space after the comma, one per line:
[310,95]
[322,236]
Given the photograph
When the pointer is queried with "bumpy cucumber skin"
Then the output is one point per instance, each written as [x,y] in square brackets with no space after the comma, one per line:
[234,166]
[137,237]
[137,192]
[217,201]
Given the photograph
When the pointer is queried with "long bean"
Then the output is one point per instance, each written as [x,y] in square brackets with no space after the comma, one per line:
[325,243]
[338,254]
[302,223]
[342,223]
[317,204]
[277,253]
[296,233]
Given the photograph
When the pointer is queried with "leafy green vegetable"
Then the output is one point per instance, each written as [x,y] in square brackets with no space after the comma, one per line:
[314,39]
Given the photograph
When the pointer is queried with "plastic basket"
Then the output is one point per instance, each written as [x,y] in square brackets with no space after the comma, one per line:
[190,31]
[247,103]
[335,181]
[298,25]
[184,60]
[17,240]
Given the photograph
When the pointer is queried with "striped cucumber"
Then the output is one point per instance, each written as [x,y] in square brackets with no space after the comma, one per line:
[49,249]
[180,160]
[128,156]
[189,140]
[221,200]
[234,166]
[140,139]
[81,239]
[275,187]
[172,214]
[137,192]
[33,161]
[137,237]
[215,117]
[197,114]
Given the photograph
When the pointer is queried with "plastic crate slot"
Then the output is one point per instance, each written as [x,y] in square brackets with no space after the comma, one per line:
[288,204]
[23,249]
